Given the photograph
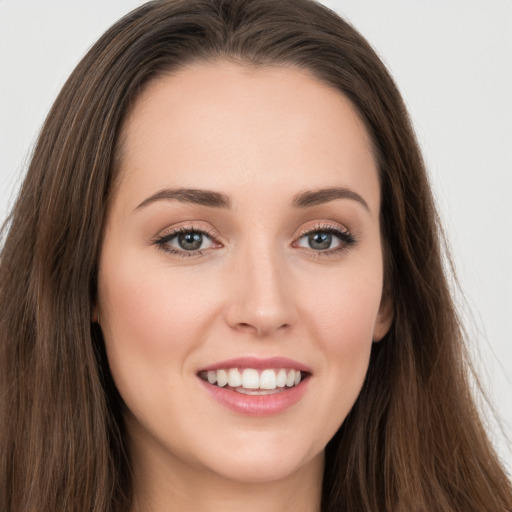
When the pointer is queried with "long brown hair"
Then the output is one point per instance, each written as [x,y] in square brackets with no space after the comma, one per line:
[412,442]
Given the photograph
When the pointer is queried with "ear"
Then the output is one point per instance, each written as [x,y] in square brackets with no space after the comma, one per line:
[384,318]
[95,316]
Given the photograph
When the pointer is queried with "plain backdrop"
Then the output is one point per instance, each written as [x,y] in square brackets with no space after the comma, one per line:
[452,60]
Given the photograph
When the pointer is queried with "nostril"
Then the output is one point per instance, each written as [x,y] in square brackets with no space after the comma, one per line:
[246,327]
[258,330]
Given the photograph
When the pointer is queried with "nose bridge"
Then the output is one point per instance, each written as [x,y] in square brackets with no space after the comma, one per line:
[262,301]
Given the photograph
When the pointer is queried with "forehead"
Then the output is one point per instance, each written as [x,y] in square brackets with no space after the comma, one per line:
[222,125]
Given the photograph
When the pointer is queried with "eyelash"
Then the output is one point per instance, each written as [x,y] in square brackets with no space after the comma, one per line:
[162,241]
[346,238]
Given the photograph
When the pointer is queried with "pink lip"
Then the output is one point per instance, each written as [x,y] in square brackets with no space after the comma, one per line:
[257,405]
[257,364]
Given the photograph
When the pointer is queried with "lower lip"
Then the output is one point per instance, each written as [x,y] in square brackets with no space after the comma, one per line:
[257,405]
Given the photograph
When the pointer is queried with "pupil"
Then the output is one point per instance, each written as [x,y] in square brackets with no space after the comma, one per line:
[190,241]
[320,240]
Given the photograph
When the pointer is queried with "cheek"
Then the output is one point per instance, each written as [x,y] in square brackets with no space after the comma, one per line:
[344,306]
[152,320]
[344,330]
[341,323]
[152,308]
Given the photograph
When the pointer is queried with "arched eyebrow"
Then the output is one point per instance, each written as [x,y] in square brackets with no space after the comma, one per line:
[325,195]
[214,199]
[189,195]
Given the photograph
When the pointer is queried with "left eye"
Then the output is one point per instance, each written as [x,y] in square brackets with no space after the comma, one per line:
[320,240]
[188,241]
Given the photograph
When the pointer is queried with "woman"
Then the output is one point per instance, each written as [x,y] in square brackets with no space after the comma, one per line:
[222,282]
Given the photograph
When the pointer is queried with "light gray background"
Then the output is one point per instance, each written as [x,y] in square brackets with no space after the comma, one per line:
[452,60]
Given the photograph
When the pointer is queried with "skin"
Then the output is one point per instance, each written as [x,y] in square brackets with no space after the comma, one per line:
[259,136]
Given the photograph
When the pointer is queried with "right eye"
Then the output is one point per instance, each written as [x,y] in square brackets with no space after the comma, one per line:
[185,241]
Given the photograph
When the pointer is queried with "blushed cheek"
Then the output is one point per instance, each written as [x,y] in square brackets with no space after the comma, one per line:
[341,328]
[152,311]
[345,317]
[345,312]
[149,326]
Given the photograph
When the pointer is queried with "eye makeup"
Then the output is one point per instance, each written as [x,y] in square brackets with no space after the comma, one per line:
[329,239]
[187,241]
[320,240]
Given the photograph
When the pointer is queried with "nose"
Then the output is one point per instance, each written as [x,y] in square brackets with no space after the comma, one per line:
[261,298]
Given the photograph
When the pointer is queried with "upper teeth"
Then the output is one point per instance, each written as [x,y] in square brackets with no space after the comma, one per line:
[250,378]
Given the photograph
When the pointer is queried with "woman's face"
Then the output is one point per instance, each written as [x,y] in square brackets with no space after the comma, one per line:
[242,245]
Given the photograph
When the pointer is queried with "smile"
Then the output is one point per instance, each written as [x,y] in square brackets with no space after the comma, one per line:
[250,381]
[251,386]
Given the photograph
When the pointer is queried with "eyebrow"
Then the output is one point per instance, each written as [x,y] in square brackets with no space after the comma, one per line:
[325,195]
[219,200]
[189,195]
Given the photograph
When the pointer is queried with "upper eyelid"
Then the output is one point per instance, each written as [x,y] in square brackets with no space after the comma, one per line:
[162,240]
[171,232]
[185,228]
[322,226]
[341,231]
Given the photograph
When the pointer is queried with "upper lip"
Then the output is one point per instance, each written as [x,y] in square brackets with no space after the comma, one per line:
[258,364]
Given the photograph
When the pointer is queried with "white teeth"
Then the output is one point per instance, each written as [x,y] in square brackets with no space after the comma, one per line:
[268,379]
[234,378]
[250,379]
[281,379]
[290,378]
[253,380]
[257,392]
[222,378]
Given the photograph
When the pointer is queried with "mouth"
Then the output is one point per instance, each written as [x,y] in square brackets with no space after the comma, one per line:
[252,381]
[251,386]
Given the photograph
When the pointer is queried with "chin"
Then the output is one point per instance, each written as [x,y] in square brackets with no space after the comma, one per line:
[264,468]
[261,457]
